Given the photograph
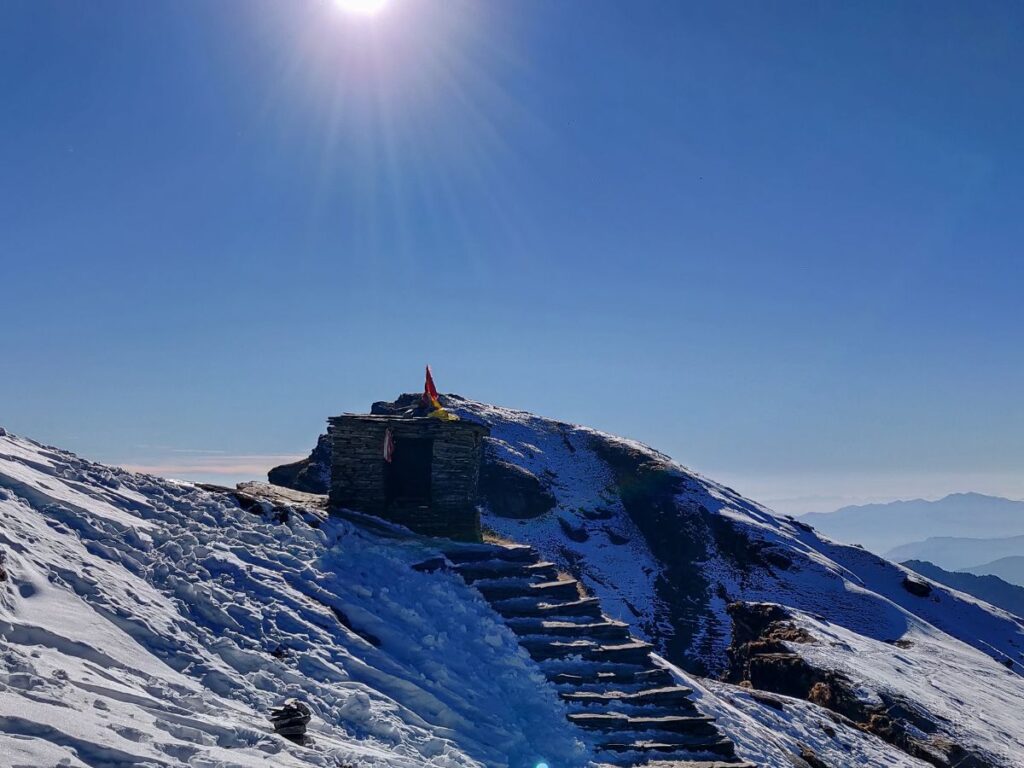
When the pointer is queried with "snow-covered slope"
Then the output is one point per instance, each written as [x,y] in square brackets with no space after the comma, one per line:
[150,623]
[668,550]
[147,622]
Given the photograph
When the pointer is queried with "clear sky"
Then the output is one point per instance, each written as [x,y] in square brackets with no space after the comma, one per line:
[780,241]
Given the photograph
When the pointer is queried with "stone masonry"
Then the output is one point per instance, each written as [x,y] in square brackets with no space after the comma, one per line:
[361,479]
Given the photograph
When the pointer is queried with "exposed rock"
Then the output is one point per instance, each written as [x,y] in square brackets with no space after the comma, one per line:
[799,524]
[403,405]
[290,719]
[574,532]
[432,564]
[277,503]
[810,757]
[648,488]
[346,622]
[767,699]
[615,538]
[917,587]
[776,558]
[512,491]
[310,475]
[760,658]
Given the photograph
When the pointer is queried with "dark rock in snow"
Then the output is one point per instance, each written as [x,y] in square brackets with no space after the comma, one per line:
[432,564]
[404,405]
[511,491]
[760,659]
[799,524]
[776,558]
[310,475]
[575,532]
[615,538]
[916,586]
[810,757]
[768,700]
[991,589]
[290,719]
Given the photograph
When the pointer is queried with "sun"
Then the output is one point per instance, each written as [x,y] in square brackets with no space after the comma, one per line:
[363,7]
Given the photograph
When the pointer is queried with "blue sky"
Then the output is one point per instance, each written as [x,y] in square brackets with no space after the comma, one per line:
[779,241]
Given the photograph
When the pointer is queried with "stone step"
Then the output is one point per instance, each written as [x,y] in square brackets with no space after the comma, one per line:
[629,652]
[632,711]
[597,676]
[602,631]
[522,607]
[676,695]
[716,745]
[542,648]
[565,589]
[675,724]
[502,569]
[735,762]
[474,553]
[619,722]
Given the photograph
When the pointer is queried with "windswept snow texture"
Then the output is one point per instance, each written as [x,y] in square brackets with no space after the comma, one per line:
[623,574]
[769,734]
[958,643]
[145,622]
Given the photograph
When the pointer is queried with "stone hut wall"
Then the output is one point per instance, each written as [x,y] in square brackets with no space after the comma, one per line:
[358,472]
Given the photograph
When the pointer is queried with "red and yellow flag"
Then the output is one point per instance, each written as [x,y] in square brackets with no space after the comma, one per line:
[431,400]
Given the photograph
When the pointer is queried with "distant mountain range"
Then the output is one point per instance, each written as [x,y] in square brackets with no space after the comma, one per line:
[1009,569]
[883,527]
[959,554]
[991,589]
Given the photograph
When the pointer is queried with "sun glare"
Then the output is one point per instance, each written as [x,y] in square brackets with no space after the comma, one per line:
[364,7]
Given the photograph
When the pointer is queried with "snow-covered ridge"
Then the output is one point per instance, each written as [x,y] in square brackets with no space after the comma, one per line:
[669,549]
[150,622]
[147,622]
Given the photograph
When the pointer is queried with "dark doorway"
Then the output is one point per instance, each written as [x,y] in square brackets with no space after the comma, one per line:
[408,475]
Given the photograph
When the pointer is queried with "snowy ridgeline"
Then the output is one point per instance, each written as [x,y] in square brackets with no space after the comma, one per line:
[944,656]
[146,622]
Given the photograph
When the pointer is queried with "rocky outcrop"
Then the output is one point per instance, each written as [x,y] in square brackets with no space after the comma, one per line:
[761,658]
[648,489]
[916,587]
[512,491]
[290,719]
[309,475]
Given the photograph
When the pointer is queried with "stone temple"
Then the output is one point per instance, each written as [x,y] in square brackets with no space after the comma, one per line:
[431,483]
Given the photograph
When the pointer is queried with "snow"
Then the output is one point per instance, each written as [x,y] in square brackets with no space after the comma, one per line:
[973,699]
[766,735]
[952,671]
[621,575]
[147,622]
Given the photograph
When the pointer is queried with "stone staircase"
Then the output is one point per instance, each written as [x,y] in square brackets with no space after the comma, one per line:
[634,710]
